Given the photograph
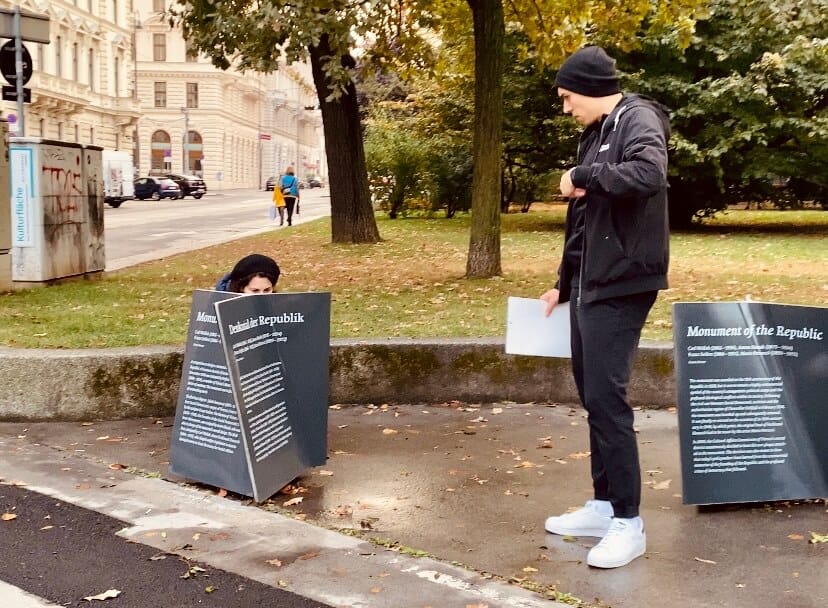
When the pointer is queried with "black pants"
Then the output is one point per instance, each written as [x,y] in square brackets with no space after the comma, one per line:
[605,337]
[290,203]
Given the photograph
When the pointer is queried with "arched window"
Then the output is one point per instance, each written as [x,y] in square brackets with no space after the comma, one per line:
[195,153]
[160,151]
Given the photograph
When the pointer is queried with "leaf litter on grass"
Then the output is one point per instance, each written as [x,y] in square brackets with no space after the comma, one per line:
[411,284]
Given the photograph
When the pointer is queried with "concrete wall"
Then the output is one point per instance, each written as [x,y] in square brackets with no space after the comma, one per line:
[133,382]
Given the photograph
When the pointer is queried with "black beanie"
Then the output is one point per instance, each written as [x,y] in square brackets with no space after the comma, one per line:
[255,264]
[589,72]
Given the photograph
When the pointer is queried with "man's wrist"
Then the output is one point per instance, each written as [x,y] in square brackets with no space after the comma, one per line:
[579,176]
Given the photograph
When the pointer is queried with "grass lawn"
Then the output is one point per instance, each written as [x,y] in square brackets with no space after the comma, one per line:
[412,284]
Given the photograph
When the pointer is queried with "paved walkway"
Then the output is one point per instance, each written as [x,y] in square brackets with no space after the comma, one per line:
[466,484]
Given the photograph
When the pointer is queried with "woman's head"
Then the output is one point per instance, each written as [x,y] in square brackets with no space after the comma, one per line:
[254,273]
[289,171]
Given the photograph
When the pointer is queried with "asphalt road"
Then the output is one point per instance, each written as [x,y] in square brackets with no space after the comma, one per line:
[141,231]
[65,553]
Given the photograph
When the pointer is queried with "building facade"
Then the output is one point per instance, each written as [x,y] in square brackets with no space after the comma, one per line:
[116,75]
[240,128]
[81,86]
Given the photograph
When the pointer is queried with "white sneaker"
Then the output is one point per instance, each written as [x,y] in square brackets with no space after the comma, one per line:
[624,541]
[593,519]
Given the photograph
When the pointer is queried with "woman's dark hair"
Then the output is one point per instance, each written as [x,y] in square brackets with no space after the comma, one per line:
[251,266]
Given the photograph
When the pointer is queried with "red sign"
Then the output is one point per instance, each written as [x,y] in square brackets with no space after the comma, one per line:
[264,136]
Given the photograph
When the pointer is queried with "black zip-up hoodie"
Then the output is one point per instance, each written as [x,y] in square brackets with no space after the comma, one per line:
[622,165]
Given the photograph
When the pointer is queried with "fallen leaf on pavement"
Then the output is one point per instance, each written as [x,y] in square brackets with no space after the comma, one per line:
[209,589]
[796,537]
[274,562]
[117,466]
[293,501]
[389,432]
[376,589]
[662,485]
[310,555]
[530,569]
[704,561]
[579,455]
[106,595]
[325,473]
[102,438]
[497,410]
[8,516]
[818,538]
[222,492]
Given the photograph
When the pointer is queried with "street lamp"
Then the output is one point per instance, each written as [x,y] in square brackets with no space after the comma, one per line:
[280,100]
[185,157]
[136,25]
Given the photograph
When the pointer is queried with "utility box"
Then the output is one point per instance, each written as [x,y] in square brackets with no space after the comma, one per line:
[5,210]
[57,209]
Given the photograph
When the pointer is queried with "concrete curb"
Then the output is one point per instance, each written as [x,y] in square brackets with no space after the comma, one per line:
[101,384]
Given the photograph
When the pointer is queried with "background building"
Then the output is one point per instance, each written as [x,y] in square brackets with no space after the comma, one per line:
[82,83]
[116,75]
[241,128]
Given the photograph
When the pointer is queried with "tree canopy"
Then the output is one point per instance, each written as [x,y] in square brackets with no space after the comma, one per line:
[750,105]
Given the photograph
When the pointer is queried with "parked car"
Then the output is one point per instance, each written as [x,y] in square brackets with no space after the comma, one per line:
[156,188]
[191,185]
[314,183]
[270,184]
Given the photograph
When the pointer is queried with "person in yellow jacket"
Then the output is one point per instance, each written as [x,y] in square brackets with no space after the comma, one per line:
[279,202]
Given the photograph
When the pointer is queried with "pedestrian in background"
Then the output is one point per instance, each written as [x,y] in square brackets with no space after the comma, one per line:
[254,273]
[289,185]
[279,204]
[614,262]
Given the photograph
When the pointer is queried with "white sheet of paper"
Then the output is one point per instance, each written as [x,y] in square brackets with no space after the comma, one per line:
[528,332]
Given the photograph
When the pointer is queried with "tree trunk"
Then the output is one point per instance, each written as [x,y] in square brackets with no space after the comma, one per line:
[352,216]
[484,242]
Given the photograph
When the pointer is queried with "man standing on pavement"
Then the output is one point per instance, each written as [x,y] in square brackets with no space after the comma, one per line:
[614,262]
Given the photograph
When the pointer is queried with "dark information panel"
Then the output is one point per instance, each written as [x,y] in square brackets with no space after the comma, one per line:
[752,381]
[206,441]
[277,348]
[253,406]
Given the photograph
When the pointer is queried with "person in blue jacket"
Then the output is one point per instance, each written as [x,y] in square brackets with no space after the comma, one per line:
[289,185]
[254,273]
